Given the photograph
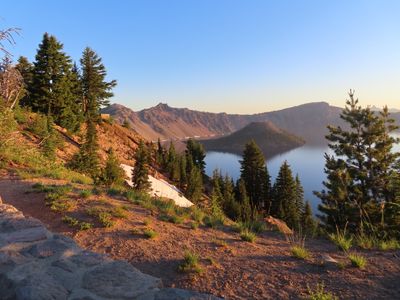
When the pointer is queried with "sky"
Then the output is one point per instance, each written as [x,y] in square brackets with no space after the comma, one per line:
[226,55]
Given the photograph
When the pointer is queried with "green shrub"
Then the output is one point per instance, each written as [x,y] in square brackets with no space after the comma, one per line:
[391,244]
[300,252]
[320,294]
[197,214]
[150,233]
[85,226]
[85,194]
[119,212]
[357,260]
[366,242]
[342,241]
[72,222]
[194,225]
[190,263]
[116,191]
[105,219]
[248,236]
[214,221]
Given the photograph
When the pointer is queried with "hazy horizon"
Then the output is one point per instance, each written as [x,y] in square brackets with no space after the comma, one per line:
[226,56]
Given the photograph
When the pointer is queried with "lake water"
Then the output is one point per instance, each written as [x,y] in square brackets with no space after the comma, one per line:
[307,161]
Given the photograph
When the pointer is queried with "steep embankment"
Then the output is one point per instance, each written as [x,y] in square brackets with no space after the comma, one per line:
[271,139]
[307,121]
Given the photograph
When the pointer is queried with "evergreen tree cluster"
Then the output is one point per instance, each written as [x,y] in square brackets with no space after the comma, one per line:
[253,195]
[187,170]
[362,186]
[58,88]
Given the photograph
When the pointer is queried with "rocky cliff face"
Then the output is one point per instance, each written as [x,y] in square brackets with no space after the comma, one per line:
[37,264]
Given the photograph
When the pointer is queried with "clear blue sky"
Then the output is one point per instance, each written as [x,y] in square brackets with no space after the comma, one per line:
[234,56]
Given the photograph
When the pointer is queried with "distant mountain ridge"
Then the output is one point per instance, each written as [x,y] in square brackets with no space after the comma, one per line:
[165,122]
[308,121]
[271,139]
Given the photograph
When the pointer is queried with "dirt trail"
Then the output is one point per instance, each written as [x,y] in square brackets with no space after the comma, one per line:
[231,268]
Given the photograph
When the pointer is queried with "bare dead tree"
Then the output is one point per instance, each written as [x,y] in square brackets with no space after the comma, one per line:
[7,36]
[11,83]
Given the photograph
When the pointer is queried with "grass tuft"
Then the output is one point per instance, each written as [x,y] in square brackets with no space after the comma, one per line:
[357,260]
[248,236]
[320,294]
[150,233]
[300,252]
[190,263]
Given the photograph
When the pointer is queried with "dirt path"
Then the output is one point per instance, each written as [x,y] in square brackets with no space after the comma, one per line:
[231,268]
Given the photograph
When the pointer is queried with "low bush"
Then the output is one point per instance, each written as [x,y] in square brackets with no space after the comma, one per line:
[150,233]
[190,263]
[341,240]
[85,194]
[357,260]
[248,236]
[119,212]
[320,294]
[300,252]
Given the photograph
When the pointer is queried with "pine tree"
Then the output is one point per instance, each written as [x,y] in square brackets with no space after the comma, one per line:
[308,223]
[244,202]
[112,172]
[284,204]
[194,188]
[140,173]
[51,91]
[299,195]
[71,116]
[196,154]
[25,68]
[255,175]
[95,90]
[87,160]
[358,185]
[183,175]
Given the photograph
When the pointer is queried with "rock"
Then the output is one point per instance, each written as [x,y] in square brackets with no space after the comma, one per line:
[87,259]
[27,235]
[179,294]
[81,294]
[119,279]
[18,223]
[40,286]
[328,261]
[279,225]
[47,248]
[65,265]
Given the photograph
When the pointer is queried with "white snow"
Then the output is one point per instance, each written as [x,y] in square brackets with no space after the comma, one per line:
[160,188]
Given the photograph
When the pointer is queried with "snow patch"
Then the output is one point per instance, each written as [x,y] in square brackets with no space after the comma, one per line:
[160,188]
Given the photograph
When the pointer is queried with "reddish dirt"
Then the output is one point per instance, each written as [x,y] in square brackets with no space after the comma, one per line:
[231,268]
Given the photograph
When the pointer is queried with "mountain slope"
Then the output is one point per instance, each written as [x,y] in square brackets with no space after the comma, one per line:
[308,121]
[162,121]
[271,139]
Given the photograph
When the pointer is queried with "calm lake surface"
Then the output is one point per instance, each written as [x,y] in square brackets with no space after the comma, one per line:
[307,161]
